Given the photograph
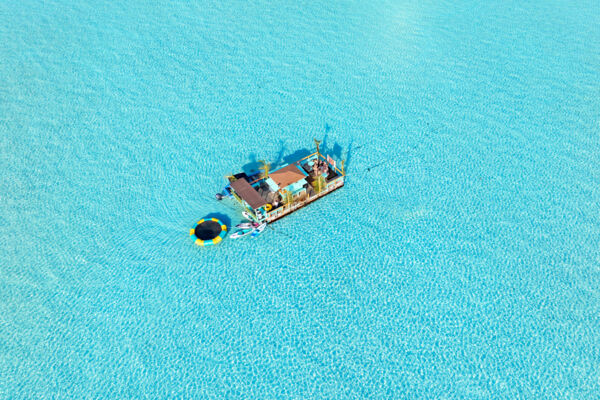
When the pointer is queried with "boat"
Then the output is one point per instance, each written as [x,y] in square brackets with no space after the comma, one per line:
[242,233]
[258,230]
[247,225]
[248,216]
[273,194]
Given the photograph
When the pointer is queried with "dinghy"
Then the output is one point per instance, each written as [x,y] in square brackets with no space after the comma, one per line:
[247,225]
[248,216]
[242,233]
[258,230]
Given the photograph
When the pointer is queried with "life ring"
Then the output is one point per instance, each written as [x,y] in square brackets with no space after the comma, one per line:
[209,232]
[268,207]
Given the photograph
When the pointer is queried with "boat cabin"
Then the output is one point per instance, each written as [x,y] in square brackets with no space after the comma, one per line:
[270,196]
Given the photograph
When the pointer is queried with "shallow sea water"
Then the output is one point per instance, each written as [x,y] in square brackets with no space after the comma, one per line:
[461,259]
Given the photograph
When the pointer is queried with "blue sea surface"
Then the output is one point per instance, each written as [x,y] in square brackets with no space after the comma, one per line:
[460,260]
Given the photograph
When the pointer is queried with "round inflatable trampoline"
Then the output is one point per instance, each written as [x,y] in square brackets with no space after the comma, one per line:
[208,232]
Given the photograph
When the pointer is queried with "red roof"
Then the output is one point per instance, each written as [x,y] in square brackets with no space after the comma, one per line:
[287,175]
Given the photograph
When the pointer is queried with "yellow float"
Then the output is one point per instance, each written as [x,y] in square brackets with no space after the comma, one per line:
[209,232]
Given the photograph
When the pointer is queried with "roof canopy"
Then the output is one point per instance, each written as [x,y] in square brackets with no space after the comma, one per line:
[248,193]
[287,175]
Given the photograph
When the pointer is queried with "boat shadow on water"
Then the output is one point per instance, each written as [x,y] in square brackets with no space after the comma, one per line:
[253,166]
[335,149]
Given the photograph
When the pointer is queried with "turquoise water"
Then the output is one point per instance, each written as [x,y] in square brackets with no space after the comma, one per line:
[464,266]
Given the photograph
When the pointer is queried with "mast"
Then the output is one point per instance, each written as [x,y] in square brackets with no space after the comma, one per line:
[317,143]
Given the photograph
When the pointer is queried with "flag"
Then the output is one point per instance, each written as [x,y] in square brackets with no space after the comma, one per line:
[331,161]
